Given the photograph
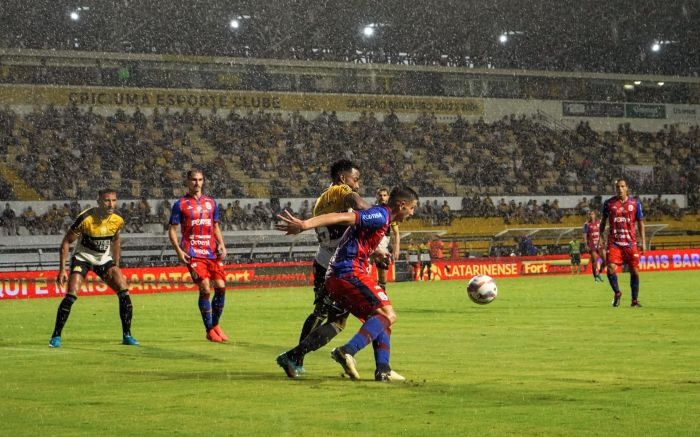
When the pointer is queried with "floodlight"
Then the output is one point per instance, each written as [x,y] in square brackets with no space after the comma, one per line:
[74,16]
[503,38]
[368,31]
[235,24]
[655,47]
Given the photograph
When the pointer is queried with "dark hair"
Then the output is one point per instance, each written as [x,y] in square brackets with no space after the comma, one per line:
[379,190]
[192,171]
[341,166]
[402,192]
[104,191]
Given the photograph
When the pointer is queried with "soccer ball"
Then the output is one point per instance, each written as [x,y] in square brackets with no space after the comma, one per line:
[482,289]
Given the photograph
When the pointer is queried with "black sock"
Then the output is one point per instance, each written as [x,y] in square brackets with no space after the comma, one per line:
[63,313]
[125,311]
[311,323]
[318,338]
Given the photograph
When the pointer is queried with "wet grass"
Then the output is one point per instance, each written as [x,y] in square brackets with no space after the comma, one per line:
[548,357]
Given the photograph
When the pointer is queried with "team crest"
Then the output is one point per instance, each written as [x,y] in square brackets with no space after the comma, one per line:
[630,208]
[207,205]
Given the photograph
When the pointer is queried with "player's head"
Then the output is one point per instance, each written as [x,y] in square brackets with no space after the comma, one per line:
[107,200]
[382,196]
[346,172]
[402,201]
[592,215]
[194,180]
[621,188]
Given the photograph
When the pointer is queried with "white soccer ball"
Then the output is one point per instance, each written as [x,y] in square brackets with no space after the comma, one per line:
[482,289]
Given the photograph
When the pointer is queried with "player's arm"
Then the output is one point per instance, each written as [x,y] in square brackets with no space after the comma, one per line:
[292,225]
[172,235]
[117,249]
[220,246]
[395,241]
[68,239]
[354,201]
[642,235]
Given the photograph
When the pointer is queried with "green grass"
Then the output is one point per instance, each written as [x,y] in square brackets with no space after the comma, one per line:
[550,357]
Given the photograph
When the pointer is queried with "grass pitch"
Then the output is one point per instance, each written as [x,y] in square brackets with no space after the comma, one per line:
[550,357]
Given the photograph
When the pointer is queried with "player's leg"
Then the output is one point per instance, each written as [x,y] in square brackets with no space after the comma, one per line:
[632,260]
[320,312]
[199,270]
[113,276]
[429,266]
[612,279]
[293,359]
[381,276]
[219,300]
[75,281]
[362,299]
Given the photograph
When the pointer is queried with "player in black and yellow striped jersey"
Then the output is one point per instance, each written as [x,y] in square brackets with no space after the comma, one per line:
[392,237]
[98,249]
[341,196]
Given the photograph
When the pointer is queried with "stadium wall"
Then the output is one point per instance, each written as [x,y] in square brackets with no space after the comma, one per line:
[602,116]
[28,285]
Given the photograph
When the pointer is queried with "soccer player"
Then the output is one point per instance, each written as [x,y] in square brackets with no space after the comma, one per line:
[591,237]
[413,261]
[575,256]
[201,249]
[426,262]
[99,250]
[341,196]
[622,212]
[348,283]
[392,235]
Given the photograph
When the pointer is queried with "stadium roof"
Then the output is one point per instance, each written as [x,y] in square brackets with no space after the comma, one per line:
[623,36]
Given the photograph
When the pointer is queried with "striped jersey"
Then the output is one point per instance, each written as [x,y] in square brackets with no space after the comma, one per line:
[359,241]
[592,231]
[196,217]
[621,217]
[95,235]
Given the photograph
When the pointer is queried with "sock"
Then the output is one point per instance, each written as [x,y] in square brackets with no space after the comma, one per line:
[369,331]
[205,309]
[634,284]
[126,310]
[594,267]
[316,339]
[310,324]
[382,350]
[63,313]
[217,305]
[612,277]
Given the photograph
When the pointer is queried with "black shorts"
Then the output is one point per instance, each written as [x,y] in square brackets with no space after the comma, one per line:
[83,267]
[575,258]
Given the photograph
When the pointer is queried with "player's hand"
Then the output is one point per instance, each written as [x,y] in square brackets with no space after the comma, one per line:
[62,278]
[382,258]
[291,225]
[221,252]
[184,258]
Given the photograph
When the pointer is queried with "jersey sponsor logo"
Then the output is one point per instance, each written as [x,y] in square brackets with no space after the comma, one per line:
[200,251]
[207,205]
[382,295]
[372,216]
[620,219]
[194,242]
[201,221]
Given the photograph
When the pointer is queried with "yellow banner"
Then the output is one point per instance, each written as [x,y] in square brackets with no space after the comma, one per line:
[235,100]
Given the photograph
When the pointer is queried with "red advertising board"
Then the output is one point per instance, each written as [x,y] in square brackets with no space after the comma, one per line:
[25,285]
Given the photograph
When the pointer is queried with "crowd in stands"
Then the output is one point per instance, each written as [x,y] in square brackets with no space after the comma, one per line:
[65,153]
[539,35]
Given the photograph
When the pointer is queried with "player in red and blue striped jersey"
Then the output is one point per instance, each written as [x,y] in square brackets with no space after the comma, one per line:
[201,249]
[591,236]
[348,281]
[622,212]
